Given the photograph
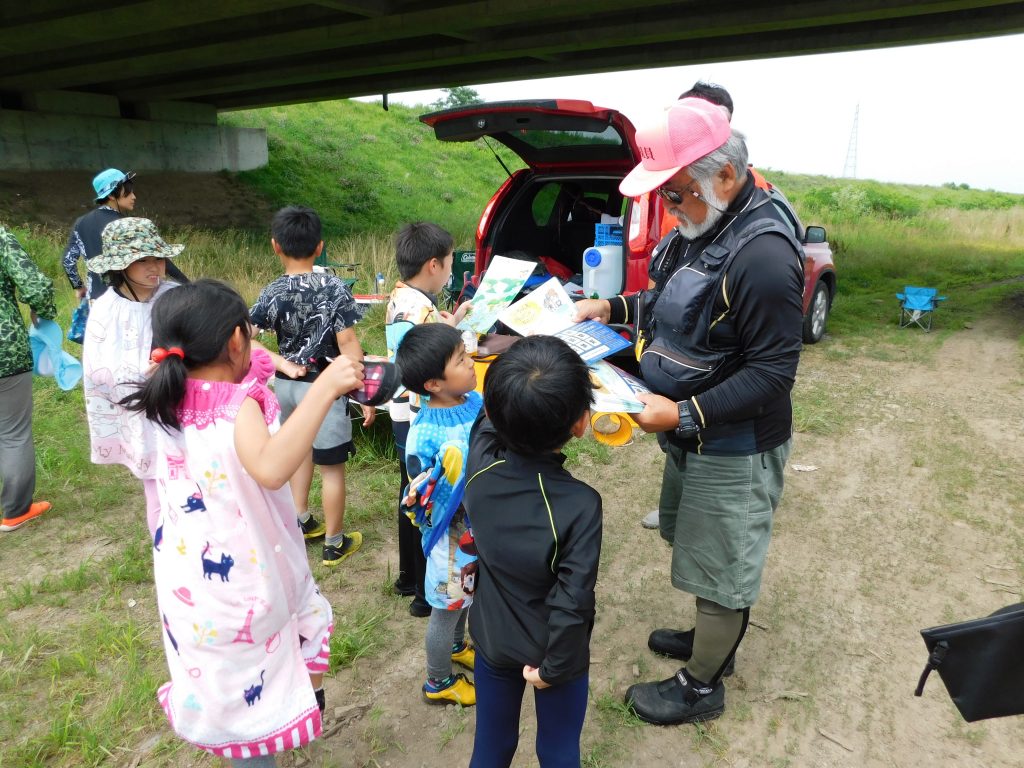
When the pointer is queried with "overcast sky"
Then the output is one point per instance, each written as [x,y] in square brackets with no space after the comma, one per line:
[929,114]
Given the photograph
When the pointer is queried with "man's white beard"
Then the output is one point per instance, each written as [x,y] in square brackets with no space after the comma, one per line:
[715,207]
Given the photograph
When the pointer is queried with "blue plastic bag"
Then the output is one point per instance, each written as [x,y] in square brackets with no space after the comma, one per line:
[76,332]
[49,358]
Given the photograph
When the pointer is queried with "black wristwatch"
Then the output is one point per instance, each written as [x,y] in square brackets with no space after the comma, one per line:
[687,426]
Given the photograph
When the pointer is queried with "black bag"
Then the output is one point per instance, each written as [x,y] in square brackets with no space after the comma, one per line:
[981,663]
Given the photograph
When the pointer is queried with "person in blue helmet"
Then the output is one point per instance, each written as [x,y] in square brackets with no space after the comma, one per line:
[115,197]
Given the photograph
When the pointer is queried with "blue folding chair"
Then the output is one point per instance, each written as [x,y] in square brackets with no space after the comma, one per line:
[917,305]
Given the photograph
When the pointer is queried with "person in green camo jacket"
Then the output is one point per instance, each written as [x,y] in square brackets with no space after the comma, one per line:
[20,279]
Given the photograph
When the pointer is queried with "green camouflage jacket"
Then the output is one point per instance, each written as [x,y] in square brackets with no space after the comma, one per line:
[19,273]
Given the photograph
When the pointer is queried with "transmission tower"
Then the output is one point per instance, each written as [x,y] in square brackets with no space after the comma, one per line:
[850,169]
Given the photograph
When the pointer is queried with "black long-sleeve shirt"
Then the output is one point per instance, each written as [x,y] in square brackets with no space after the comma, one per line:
[538,536]
[762,302]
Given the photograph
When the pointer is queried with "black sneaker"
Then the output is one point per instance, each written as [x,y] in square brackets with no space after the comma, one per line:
[679,645]
[321,700]
[312,528]
[419,608]
[350,542]
[679,699]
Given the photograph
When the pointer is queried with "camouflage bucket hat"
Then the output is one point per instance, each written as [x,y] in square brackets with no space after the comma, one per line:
[126,241]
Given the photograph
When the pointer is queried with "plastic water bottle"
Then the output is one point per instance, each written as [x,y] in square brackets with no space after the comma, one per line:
[380,284]
[469,339]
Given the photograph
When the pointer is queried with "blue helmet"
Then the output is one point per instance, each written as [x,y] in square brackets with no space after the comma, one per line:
[105,182]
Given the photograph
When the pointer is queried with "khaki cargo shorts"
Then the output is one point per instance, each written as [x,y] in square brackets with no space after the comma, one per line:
[716,511]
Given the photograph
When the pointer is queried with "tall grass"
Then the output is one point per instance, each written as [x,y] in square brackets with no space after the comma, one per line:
[975,256]
[967,243]
[967,255]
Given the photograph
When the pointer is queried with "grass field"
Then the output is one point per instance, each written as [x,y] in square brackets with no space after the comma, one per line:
[80,654]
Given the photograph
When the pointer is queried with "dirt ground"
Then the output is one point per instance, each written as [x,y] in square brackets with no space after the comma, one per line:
[175,200]
[914,517]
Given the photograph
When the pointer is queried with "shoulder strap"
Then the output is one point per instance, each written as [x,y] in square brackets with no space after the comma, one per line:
[665,256]
[757,220]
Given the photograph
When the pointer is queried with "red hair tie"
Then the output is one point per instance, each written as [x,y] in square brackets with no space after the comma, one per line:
[160,354]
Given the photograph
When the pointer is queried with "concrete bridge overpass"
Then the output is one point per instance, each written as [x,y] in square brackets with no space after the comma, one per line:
[139,82]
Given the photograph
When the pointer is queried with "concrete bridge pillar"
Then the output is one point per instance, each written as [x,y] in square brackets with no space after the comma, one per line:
[64,130]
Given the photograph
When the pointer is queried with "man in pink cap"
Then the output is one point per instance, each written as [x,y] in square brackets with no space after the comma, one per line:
[719,339]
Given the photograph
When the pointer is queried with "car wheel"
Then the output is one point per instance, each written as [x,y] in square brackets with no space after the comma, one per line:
[817,315]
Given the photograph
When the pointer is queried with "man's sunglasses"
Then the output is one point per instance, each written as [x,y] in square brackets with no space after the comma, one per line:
[676,198]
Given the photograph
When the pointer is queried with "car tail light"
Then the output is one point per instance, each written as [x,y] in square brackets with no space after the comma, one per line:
[483,253]
[638,226]
[485,219]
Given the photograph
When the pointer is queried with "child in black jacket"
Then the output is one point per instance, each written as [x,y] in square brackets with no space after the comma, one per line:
[538,537]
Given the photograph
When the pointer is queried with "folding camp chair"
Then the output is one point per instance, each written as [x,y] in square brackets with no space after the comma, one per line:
[323,265]
[917,305]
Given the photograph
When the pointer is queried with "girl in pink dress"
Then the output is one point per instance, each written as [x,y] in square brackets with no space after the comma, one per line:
[246,631]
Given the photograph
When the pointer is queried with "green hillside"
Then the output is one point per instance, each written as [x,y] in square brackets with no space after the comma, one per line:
[368,171]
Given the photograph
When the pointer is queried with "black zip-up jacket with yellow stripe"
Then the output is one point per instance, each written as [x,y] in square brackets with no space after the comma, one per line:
[762,314]
[538,536]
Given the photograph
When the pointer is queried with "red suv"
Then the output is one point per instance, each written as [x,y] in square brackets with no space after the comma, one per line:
[576,154]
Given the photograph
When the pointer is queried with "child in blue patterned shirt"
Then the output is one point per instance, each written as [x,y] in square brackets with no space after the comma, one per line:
[436,366]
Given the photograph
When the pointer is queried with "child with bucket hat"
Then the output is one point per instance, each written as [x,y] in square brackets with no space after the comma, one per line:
[115,197]
[116,350]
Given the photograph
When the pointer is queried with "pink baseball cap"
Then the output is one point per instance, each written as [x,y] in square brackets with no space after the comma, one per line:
[687,131]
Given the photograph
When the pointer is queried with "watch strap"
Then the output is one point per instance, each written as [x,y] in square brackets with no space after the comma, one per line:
[687,426]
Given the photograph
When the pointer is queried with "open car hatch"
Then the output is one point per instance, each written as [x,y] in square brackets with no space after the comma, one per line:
[547,134]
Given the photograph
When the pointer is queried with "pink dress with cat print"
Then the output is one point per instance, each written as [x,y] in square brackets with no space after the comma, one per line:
[243,621]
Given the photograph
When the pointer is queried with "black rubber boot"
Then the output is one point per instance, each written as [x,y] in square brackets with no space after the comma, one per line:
[679,699]
[678,644]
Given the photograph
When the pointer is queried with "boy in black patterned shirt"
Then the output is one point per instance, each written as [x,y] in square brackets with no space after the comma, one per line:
[314,317]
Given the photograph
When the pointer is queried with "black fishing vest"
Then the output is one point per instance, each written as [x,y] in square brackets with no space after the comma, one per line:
[676,356]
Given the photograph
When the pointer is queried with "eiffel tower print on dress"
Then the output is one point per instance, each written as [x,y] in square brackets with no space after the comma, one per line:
[245,633]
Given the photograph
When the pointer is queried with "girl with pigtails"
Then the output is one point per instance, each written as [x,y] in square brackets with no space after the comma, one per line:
[246,631]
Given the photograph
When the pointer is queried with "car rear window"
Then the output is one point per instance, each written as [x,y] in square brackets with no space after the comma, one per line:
[548,139]
[568,146]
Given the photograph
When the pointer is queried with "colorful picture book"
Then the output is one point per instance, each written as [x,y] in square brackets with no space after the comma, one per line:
[591,340]
[615,390]
[501,282]
[549,310]
[544,310]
